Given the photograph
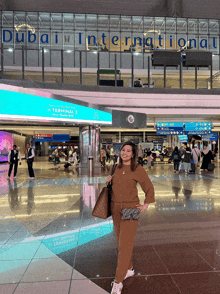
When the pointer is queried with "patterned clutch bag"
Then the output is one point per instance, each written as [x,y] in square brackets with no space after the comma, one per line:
[130,213]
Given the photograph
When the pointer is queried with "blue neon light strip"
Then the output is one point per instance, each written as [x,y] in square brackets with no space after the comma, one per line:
[56,243]
[14,105]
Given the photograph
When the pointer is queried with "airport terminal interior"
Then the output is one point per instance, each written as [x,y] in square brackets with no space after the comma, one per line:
[79,79]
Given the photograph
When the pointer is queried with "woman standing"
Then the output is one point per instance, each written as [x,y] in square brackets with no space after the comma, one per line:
[207,157]
[196,154]
[125,195]
[187,160]
[176,159]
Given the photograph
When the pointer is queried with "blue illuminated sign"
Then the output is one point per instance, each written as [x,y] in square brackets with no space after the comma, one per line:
[164,128]
[198,128]
[210,137]
[20,106]
[61,138]
[43,139]
[183,138]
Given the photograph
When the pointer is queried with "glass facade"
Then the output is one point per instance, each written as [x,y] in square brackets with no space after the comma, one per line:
[107,34]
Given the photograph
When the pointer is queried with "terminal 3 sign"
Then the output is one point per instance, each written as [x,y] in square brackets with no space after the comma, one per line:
[22,106]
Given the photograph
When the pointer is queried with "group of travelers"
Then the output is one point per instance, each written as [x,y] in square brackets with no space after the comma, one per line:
[69,154]
[188,159]
[108,156]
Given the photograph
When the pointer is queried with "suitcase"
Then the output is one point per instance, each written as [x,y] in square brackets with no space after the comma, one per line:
[211,167]
[66,165]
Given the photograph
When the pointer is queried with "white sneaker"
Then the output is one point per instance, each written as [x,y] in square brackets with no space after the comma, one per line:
[15,177]
[33,178]
[116,288]
[130,273]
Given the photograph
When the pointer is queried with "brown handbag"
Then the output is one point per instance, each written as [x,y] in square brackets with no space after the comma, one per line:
[102,208]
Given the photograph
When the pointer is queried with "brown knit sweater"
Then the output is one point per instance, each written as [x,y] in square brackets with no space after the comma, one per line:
[124,185]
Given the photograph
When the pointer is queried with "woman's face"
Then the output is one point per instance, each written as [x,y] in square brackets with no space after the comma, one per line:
[126,154]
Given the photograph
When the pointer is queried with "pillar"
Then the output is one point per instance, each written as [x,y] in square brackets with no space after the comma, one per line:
[89,144]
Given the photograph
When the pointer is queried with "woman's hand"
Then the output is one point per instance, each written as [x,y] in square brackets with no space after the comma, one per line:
[142,207]
[109,178]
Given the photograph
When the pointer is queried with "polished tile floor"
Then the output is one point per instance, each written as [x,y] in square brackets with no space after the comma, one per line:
[50,243]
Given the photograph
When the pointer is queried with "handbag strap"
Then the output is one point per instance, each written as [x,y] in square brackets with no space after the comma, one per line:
[196,153]
[113,170]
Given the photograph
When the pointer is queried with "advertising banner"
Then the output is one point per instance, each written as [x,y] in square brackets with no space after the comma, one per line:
[20,106]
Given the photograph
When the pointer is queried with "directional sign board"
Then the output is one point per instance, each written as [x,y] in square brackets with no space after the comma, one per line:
[164,128]
[198,128]
[210,137]
[43,137]
[183,138]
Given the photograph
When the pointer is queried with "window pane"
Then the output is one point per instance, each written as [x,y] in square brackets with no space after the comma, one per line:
[7,19]
[68,21]
[148,24]
[114,22]
[182,25]
[56,21]
[91,22]
[126,23]
[103,22]
[171,25]
[213,26]
[137,23]
[193,26]
[19,18]
[159,25]
[80,21]
[44,20]
[32,19]
[203,26]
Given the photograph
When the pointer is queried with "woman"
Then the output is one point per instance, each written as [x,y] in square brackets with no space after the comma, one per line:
[207,157]
[196,155]
[176,159]
[125,195]
[187,160]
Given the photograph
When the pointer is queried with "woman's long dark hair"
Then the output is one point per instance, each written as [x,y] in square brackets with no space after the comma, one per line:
[133,159]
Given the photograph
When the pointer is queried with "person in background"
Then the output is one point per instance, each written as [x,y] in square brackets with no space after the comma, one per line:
[56,152]
[207,157]
[140,155]
[182,150]
[196,155]
[112,154]
[70,153]
[75,160]
[187,160]
[13,157]
[108,154]
[30,159]
[176,159]
[103,156]
[149,157]
[124,195]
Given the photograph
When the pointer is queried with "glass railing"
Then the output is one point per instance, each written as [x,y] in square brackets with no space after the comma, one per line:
[100,68]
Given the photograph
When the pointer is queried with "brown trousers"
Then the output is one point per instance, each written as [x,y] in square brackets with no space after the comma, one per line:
[125,232]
